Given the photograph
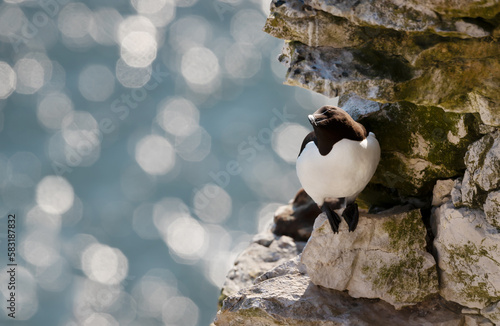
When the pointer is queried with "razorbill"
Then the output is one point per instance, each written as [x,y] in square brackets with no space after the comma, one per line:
[336,162]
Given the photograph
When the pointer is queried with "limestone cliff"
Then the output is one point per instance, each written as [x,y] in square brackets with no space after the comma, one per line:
[424,76]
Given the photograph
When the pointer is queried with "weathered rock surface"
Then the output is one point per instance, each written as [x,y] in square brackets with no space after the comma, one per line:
[483,173]
[424,56]
[468,254]
[467,232]
[297,218]
[424,77]
[442,192]
[285,295]
[492,312]
[438,16]
[288,297]
[357,107]
[419,145]
[264,253]
[391,51]
[384,258]
[474,320]
[492,208]
[483,162]
[456,193]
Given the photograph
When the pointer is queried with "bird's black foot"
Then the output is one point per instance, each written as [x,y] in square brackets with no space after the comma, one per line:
[351,216]
[333,217]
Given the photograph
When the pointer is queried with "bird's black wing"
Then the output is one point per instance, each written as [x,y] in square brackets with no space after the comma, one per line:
[310,137]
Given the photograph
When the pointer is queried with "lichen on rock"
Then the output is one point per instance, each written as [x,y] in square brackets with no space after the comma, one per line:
[492,312]
[387,51]
[287,297]
[414,16]
[482,175]
[492,208]
[420,145]
[468,251]
[467,241]
[384,258]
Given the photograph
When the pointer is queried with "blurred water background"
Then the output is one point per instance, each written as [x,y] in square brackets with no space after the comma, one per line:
[142,144]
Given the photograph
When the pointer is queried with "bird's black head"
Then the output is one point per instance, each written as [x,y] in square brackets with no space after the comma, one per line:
[332,124]
[327,116]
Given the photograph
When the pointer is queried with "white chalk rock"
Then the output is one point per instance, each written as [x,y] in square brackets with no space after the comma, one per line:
[468,254]
[264,253]
[492,312]
[475,320]
[483,162]
[286,296]
[483,172]
[456,193]
[383,258]
[442,192]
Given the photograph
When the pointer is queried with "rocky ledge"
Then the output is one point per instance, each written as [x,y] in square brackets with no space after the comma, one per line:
[381,273]
[437,266]
[443,273]
[288,297]
[384,258]
[429,52]
[307,289]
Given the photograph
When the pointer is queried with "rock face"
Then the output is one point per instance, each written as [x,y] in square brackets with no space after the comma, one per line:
[419,145]
[492,312]
[436,65]
[468,254]
[357,107]
[286,296]
[442,191]
[424,76]
[434,15]
[429,53]
[384,258]
[492,208]
[264,253]
[467,236]
[482,174]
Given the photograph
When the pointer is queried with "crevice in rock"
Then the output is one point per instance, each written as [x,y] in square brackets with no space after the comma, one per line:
[429,238]
[375,64]
[480,198]
[481,22]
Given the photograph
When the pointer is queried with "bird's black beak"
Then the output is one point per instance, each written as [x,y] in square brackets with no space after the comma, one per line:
[312,120]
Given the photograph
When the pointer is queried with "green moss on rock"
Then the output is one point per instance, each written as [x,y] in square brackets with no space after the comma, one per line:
[407,280]
[252,313]
[419,145]
[474,287]
[221,298]
[406,232]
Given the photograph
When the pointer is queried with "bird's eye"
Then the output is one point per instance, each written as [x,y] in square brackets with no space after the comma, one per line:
[327,111]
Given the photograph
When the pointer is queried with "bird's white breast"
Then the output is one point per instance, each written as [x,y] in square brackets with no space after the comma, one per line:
[344,172]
